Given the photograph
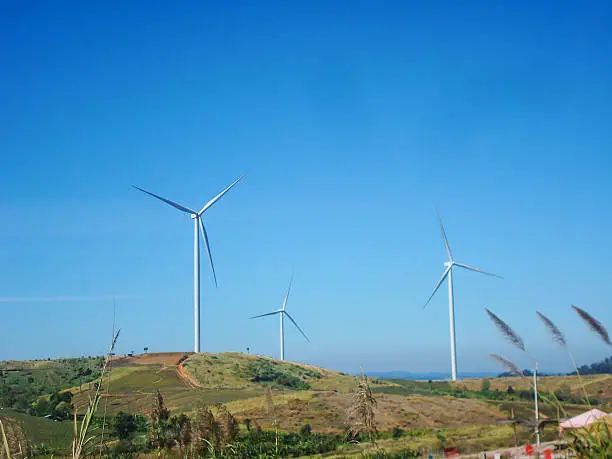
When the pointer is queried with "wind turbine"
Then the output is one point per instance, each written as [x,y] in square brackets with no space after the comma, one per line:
[198,228]
[448,272]
[283,312]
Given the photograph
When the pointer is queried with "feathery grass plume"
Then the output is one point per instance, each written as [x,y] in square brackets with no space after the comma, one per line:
[228,426]
[205,430]
[560,339]
[552,329]
[507,331]
[360,412]
[594,324]
[507,364]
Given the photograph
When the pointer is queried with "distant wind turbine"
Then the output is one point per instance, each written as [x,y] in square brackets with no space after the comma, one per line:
[198,227]
[448,272]
[283,312]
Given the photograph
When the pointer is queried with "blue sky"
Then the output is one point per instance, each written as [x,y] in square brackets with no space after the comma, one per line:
[352,121]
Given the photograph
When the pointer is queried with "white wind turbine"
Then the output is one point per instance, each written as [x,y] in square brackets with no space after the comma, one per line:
[448,272]
[283,312]
[198,228]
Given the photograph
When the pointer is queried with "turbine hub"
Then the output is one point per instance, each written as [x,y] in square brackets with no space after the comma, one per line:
[449,263]
[194,216]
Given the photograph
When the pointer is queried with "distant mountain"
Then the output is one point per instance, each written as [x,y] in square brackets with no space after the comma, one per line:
[434,376]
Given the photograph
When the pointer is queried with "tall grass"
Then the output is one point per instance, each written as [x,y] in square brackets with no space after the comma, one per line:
[82,435]
[361,411]
[7,449]
[271,411]
[587,442]
[559,338]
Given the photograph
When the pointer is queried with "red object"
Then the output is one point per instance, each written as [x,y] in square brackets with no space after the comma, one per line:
[451,452]
[547,454]
[529,450]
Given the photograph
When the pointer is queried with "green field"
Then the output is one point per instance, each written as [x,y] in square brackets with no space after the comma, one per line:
[57,435]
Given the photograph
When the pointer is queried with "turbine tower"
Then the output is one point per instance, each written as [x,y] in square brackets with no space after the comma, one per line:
[283,312]
[198,227]
[448,272]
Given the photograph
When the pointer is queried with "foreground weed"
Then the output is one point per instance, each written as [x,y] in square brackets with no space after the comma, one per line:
[5,441]
[82,436]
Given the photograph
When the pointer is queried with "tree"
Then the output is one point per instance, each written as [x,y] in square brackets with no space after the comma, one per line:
[124,425]
[361,410]
[63,410]
[306,430]
[59,397]
[485,385]
[510,390]
[41,407]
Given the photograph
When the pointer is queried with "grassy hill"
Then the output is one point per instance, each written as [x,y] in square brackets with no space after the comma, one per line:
[305,394]
[186,379]
[233,370]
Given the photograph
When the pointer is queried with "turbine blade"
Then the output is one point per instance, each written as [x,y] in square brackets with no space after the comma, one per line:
[264,315]
[219,196]
[167,201]
[205,237]
[471,268]
[296,325]
[437,286]
[446,246]
[287,294]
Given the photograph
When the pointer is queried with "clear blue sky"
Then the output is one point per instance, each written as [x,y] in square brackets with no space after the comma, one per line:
[352,120]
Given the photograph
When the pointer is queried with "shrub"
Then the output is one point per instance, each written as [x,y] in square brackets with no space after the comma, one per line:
[63,410]
[398,432]
[266,371]
[306,430]
[124,425]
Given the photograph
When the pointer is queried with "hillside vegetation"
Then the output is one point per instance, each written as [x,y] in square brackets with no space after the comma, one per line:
[301,398]
[23,382]
[232,370]
[186,379]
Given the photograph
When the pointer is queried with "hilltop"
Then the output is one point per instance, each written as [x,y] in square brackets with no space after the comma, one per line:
[186,379]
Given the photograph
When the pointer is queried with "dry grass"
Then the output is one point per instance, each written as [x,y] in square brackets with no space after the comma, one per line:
[594,384]
[326,411]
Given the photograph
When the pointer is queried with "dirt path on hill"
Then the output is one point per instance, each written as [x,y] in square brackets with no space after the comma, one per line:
[185,377]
